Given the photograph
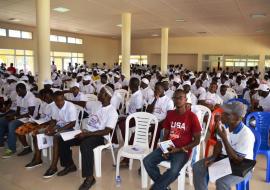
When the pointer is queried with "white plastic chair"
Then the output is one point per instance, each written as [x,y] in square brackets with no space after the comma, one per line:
[91,97]
[98,156]
[140,147]
[182,173]
[201,112]
[124,95]
[232,91]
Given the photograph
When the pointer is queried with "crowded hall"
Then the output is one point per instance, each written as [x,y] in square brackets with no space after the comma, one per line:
[130,95]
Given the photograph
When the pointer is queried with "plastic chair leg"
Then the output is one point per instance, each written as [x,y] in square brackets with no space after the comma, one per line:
[113,156]
[130,164]
[80,160]
[268,167]
[181,180]
[117,165]
[97,158]
[144,176]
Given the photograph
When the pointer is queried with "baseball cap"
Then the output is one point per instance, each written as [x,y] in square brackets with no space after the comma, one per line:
[145,81]
[87,78]
[263,87]
[48,82]
[24,78]
[237,108]
[166,79]
[177,80]
[74,84]
[186,83]
[12,77]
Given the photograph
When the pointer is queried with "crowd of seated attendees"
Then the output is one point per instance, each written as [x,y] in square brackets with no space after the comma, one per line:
[168,96]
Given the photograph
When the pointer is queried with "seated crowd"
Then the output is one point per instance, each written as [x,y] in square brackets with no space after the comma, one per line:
[169,97]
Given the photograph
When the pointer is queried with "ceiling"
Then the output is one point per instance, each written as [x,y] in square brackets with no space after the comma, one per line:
[100,17]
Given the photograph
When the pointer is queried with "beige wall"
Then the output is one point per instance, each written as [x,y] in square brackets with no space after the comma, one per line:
[228,45]
[188,60]
[95,49]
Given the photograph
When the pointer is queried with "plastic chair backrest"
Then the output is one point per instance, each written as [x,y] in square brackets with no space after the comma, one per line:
[201,113]
[143,120]
[257,143]
[262,126]
[91,97]
[232,91]
[124,95]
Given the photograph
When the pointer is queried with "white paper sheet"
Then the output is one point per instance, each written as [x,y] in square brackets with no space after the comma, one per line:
[24,120]
[219,169]
[38,121]
[165,145]
[70,134]
[44,141]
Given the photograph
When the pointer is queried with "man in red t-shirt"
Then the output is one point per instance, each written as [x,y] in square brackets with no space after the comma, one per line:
[11,69]
[183,128]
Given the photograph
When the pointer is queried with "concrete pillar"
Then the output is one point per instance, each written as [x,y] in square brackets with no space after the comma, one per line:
[126,41]
[43,40]
[199,62]
[164,50]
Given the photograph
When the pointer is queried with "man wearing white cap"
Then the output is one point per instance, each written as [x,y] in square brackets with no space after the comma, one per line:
[10,85]
[117,83]
[264,102]
[98,126]
[168,92]
[186,87]
[57,82]
[87,87]
[75,94]
[147,92]
[48,85]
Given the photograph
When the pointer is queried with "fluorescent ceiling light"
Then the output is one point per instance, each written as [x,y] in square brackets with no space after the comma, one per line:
[155,35]
[14,20]
[61,9]
[258,15]
[179,20]
[119,25]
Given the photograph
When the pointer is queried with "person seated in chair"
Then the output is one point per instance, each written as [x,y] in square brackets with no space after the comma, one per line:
[235,140]
[183,128]
[92,136]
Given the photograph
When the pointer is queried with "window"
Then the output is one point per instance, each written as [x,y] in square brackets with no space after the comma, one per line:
[71,40]
[14,33]
[53,38]
[26,35]
[62,39]
[136,59]
[3,32]
[62,59]
[22,59]
[65,39]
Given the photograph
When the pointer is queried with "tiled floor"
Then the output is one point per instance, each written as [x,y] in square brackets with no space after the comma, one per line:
[13,176]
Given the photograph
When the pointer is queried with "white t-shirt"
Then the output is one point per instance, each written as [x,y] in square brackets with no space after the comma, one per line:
[87,89]
[239,88]
[65,115]
[210,98]
[169,93]
[45,111]
[148,95]
[162,105]
[190,96]
[198,91]
[29,100]
[117,85]
[13,97]
[116,100]
[80,97]
[241,140]
[265,103]
[99,120]
[226,97]
[135,102]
